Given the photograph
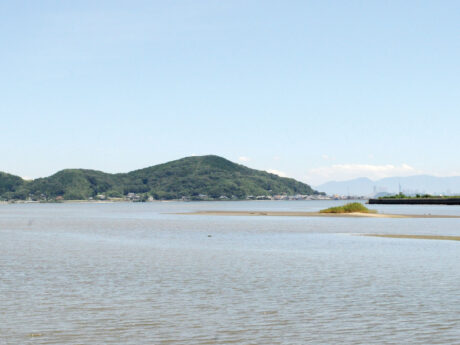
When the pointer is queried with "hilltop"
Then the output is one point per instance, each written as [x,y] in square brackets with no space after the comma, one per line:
[198,177]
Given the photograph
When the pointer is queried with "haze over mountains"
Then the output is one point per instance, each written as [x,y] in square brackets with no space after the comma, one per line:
[195,178]
[420,184]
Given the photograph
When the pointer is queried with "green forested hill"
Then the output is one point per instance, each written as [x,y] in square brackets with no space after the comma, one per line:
[9,184]
[192,177]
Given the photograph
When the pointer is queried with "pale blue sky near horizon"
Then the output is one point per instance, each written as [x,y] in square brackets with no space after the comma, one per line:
[315,90]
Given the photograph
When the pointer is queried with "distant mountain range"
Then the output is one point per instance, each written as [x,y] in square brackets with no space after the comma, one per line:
[409,185]
[195,178]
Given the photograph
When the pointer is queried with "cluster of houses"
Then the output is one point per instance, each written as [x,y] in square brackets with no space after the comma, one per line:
[128,197]
[263,197]
[137,197]
[300,197]
[141,197]
[346,197]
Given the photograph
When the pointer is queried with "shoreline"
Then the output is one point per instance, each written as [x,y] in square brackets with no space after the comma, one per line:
[160,200]
[311,214]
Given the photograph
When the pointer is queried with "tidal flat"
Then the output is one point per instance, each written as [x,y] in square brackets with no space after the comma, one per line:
[417,237]
[314,214]
[139,274]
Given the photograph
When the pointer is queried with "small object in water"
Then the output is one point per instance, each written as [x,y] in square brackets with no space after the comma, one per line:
[209,235]
[33,335]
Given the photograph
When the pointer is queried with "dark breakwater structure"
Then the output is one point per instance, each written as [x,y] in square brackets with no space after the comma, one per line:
[416,201]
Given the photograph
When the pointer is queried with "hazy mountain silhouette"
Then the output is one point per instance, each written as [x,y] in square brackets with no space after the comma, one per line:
[408,184]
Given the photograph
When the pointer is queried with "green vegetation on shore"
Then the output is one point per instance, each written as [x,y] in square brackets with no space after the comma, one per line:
[191,178]
[352,207]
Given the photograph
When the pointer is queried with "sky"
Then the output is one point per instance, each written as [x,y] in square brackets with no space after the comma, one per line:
[314,90]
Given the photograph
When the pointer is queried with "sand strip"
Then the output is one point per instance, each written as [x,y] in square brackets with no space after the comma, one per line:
[313,214]
[417,237]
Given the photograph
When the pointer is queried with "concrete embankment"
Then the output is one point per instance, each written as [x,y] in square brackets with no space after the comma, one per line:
[417,201]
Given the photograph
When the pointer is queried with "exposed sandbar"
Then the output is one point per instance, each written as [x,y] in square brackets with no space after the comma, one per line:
[313,214]
[418,237]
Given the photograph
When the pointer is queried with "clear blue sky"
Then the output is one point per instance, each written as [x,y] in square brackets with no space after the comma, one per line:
[317,90]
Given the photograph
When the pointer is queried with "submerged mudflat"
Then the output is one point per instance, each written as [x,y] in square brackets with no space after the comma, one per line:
[417,237]
[141,274]
[313,214]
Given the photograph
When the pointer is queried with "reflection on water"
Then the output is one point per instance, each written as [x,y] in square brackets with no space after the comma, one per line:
[136,274]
